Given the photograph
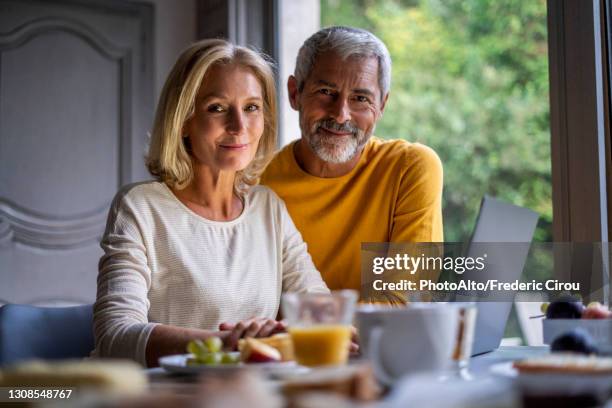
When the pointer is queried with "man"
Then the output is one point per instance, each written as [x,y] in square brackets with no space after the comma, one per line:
[341,185]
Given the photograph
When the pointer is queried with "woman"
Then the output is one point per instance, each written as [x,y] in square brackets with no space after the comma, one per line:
[203,246]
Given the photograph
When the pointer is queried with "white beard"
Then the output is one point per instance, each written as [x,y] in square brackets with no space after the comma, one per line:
[334,149]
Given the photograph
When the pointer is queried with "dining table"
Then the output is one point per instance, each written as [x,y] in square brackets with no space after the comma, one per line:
[491,383]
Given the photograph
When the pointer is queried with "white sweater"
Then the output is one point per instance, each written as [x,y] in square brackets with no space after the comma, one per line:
[163,263]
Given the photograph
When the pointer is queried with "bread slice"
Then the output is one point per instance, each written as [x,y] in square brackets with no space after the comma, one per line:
[109,376]
[354,381]
[565,363]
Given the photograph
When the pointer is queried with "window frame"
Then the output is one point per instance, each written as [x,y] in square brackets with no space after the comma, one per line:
[580,136]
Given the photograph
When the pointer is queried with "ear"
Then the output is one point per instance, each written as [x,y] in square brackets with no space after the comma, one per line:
[293,92]
[383,104]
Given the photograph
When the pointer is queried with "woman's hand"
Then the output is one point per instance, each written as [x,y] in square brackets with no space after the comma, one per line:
[255,327]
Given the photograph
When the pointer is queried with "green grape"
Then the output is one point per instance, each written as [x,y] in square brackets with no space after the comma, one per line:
[214,344]
[210,358]
[197,348]
[192,362]
[230,358]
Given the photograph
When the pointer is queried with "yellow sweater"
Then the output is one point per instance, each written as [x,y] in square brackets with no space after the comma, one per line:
[393,194]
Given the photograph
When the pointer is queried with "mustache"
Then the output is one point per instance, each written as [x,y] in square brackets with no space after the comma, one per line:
[333,125]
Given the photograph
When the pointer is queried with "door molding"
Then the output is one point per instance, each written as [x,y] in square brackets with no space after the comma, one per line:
[41,230]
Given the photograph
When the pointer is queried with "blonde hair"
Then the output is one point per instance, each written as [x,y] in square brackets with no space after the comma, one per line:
[168,158]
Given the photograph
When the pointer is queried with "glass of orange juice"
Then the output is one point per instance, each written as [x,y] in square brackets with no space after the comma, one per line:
[320,326]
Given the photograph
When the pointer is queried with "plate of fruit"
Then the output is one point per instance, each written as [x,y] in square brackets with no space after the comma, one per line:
[269,355]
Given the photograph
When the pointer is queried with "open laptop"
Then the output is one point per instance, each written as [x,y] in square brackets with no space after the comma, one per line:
[499,222]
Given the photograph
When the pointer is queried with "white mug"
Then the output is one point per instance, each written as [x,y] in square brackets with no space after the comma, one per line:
[401,341]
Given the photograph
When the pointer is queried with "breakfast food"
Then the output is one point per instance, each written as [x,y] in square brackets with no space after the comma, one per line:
[596,310]
[199,347]
[322,344]
[577,341]
[566,363]
[569,308]
[355,381]
[264,350]
[208,352]
[214,344]
[281,342]
[240,388]
[108,376]
[565,309]
[256,351]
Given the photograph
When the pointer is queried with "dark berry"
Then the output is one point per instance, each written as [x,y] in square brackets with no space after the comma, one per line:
[577,340]
[563,309]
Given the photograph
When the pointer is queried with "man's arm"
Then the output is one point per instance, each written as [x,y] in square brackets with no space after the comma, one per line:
[417,215]
[418,209]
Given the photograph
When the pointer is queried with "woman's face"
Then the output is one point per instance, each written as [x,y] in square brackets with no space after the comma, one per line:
[228,120]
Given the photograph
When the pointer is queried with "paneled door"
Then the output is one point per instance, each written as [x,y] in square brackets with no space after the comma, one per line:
[76,102]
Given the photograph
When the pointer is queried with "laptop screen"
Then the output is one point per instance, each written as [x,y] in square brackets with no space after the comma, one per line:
[499,222]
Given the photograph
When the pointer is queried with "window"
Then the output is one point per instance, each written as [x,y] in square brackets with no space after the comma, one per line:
[470,80]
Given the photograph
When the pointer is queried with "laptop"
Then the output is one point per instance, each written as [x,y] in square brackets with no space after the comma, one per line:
[499,222]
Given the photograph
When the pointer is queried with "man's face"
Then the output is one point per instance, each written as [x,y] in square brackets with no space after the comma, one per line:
[339,105]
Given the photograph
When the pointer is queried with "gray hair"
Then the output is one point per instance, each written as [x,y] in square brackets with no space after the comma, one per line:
[347,42]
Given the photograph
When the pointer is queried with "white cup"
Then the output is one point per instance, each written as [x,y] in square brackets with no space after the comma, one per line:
[402,341]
